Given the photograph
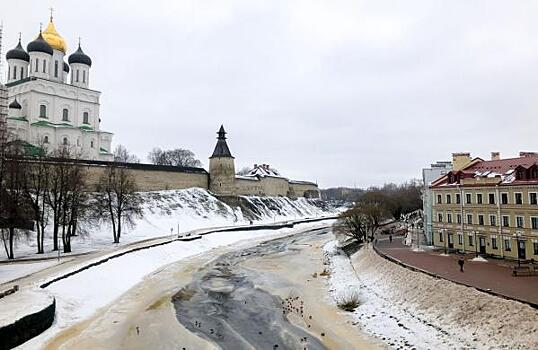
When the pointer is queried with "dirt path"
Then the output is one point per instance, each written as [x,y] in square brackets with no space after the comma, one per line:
[145,317]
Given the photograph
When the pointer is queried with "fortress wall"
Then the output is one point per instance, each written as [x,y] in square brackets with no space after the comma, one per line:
[304,190]
[274,186]
[248,187]
[154,180]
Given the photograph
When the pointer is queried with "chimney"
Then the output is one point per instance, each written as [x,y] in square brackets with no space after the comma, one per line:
[527,154]
[495,156]
[460,160]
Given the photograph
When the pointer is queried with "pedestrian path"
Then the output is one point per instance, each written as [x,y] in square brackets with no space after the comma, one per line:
[494,275]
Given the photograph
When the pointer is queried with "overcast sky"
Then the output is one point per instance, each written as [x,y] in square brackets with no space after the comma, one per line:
[351,93]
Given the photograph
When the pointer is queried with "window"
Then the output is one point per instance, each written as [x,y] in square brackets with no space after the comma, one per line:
[56,69]
[440,217]
[470,219]
[504,198]
[84,76]
[506,221]
[468,198]
[481,219]
[448,199]
[8,71]
[458,198]
[46,139]
[458,218]
[44,66]
[85,118]
[42,111]
[493,220]
[449,218]
[77,76]
[518,198]
[534,223]
[439,199]
[507,245]
[479,198]
[91,144]
[65,141]
[491,198]
[37,65]
[440,236]
[22,73]
[14,72]
[493,242]
[535,246]
[519,221]
[471,242]
[65,115]
[532,198]
[460,239]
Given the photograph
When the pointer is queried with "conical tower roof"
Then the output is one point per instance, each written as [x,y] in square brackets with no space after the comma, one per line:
[221,149]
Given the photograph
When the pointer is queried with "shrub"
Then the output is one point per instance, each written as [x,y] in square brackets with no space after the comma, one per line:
[348,300]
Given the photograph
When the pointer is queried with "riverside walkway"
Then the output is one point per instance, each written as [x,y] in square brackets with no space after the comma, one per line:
[493,276]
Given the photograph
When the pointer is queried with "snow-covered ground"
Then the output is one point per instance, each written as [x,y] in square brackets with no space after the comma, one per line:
[10,272]
[407,309]
[84,293]
[167,211]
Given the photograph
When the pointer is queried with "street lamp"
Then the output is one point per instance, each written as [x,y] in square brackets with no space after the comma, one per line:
[475,244]
[518,234]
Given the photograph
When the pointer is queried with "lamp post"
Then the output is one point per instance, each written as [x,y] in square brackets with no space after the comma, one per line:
[445,239]
[518,234]
[475,245]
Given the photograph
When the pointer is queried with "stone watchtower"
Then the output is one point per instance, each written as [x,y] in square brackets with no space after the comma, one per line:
[222,167]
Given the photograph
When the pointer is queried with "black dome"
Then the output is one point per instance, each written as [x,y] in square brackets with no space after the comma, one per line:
[39,45]
[18,53]
[15,104]
[80,57]
[66,67]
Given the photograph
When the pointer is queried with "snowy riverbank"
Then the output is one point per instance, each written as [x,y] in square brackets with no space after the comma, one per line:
[407,309]
[167,211]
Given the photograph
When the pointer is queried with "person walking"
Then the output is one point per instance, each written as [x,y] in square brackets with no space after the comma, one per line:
[390,238]
[461,261]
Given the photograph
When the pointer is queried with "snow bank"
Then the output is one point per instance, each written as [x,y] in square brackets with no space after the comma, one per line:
[167,211]
[10,272]
[408,309]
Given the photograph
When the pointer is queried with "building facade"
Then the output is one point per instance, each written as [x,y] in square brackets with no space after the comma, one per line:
[488,207]
[50,100]
[435,171]
[260,181]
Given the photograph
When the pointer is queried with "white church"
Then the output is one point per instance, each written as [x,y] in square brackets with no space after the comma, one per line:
[50,101]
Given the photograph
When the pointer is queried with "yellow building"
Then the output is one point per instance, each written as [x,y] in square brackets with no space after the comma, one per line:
[488,207]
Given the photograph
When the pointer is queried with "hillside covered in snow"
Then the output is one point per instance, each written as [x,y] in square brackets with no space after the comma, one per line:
[173,211]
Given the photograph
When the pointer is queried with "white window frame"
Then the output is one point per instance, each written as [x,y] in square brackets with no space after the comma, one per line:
[536,193]
[467,219]
[481,195]
[494,198]
[530,219]
[515,196]
[507,198]
[502,222]
[522,221]
[495,219]
[483,219]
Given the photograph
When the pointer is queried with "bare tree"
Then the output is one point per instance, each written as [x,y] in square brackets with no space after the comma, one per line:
[174,157]
[118,199]
[121,154]
[363,220]
[16,213]
[244,171]
[73,206]
[36,190]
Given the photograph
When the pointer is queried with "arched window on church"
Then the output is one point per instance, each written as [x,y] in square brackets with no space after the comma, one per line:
[86,118]
[46,139]
[56,69]
[22,73]
[91,143]
[44,66]
[65,115]
[36,65]
[15,72]
[42,111]
[65,141]
[84,76]
[78,71]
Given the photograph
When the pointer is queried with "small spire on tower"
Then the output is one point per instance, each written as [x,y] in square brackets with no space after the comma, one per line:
[51,11]
[20,37]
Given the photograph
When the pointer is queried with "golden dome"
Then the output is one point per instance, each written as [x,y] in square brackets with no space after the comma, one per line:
[54,39]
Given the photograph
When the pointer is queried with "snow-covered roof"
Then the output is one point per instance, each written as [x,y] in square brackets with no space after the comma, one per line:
[263,170]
